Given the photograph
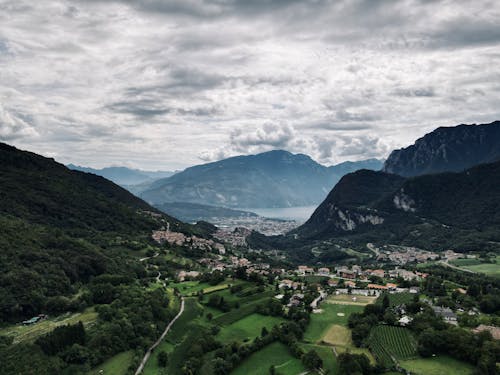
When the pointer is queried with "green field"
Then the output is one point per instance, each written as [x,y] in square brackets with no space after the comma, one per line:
[396,299]
[388,343]
[116,365]
[275,354]
[247,328]
[22,333]
[321,322]
[440,365]
[491,269]
[236,314]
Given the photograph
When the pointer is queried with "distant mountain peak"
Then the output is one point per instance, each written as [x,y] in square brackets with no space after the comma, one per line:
[447,149]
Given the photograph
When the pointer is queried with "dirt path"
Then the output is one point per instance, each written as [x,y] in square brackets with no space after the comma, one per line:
[153,347]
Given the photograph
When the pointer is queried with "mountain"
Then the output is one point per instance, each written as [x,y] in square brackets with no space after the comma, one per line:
[447,149]
[271,179]
[460,210]
[61,228]
[194,212]
[123,175]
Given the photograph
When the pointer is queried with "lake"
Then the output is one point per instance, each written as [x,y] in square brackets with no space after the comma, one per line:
[300,214]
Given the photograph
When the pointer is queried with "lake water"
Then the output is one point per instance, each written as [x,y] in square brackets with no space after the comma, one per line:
[300,214]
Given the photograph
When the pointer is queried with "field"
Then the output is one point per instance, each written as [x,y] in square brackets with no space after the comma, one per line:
[30,333]
[338,335]
[118,364]
[247,328]
[397,298]
[275,354]
[326,354]
[389,343]
[348,299]
[236,314]
[320,323]
[474,265]
[441,365]
[191,288]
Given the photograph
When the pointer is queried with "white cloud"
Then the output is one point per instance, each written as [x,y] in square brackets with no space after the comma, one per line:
[163,84]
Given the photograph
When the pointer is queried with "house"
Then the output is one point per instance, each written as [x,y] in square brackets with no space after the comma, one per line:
[333,282]
[323,271]
[414,289]
[405,320]
[350,284]
[391,286]
[378,273]
[446,313]
[285,284]
[495,331]
[347,274]
[376,286]
[305,270]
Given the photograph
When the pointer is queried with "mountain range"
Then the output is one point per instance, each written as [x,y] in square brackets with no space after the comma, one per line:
[447,149]
[124,176]
[61,227]
[455,209]
[267,180]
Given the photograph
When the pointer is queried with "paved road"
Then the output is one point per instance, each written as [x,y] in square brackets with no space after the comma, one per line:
[153,347]
[448,264]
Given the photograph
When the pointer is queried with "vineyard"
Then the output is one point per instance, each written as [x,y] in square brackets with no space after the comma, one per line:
[389,344]
[396,299]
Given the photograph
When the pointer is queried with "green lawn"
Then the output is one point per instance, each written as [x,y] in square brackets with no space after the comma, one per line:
[116,365]
[22,333]
[475,265]
[321,322]
[247,328]
[275,354]
[441,365]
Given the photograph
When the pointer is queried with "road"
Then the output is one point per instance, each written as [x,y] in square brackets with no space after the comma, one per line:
[447,264]
[153,347]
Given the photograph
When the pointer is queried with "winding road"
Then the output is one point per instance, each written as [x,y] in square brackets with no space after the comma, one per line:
[153,347]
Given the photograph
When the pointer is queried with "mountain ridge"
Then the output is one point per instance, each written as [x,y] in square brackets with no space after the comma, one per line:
[272,179]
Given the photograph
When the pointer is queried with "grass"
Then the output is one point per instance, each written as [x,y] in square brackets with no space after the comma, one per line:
[30,333]
[348,299]
[321,322]
[116,365]
[354,350]
[491,269]
[236,314]
[275,354]
[247,328]
[338,335]
[440,365]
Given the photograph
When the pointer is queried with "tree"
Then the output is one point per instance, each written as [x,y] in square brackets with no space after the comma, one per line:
[312,360]
[163,359]
[272,370]
[264,332]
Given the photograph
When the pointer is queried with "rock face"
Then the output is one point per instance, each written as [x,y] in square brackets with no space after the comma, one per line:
[350,206]
[447,149]
[445,206]
[271,179]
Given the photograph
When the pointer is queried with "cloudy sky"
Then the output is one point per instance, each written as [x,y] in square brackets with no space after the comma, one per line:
[163,84]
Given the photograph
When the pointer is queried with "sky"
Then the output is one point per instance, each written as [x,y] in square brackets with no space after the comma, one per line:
[165,84]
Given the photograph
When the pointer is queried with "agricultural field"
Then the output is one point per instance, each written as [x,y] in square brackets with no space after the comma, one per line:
[22,333]
[348,299]
[437,366]
[397,298]
[491,269]
[338,335]
[390,343]
[247,328]
[331,314]
[191,288]
[118,364]
[275,354]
